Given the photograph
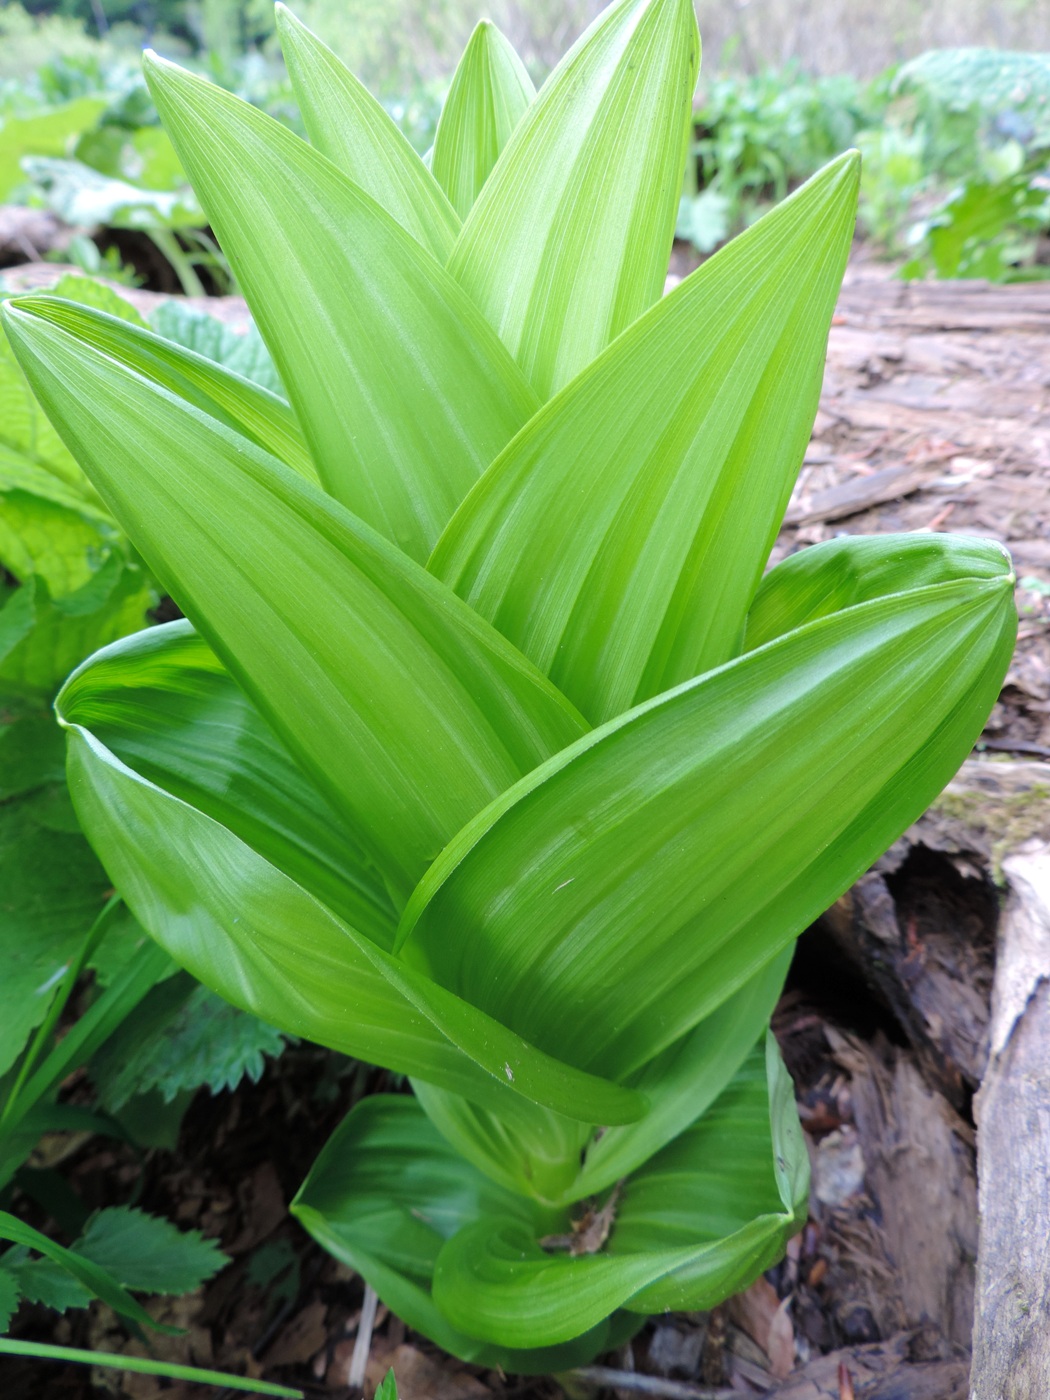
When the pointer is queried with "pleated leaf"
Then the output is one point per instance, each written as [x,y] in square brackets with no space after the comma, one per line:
[258,938]
[490,93]
[346,124]
[616,895]
[568,241]
[619,539]
[404,393]
[841,573]
[384,1196]
[408,711]
[162,703]
[539,1153]
[697,1223]
[221,393]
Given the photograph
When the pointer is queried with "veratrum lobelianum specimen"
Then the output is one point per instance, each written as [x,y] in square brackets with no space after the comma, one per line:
[487,753]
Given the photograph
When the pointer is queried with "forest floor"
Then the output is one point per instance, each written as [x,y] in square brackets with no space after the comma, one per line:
[935,415]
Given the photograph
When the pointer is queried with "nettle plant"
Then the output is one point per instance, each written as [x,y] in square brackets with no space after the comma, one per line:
[486,753]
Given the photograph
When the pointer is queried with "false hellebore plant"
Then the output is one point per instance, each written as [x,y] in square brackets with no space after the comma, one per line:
[486,753]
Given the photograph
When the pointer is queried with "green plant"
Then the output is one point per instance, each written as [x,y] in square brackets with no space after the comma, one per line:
[486,753]
[755,139]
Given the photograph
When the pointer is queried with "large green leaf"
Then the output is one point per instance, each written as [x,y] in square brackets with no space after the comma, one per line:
[698,1222]
[569,240]
[408,711]
[490,93]
[619,538]
[384,1196]
[615,896]
[226,396]
[162,703]
[346,124]
[852,569]
[251,933]
[403,391]
[556,1160]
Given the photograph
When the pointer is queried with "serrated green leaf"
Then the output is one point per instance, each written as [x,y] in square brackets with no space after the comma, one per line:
[361,320]
[619,538]
[9,1296]
[407,710]
[149,1253]
[43,1281]
[697,1223]
[243,352]
[346,124]
[569,240]
[649,822]
[260,940]
[202,1041]
[388,1215]
[51,889]
[490,93]
[94,1277]
[42,638]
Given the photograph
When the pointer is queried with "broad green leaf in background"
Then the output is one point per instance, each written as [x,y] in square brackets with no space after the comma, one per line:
[51,889]
[346,124]
[48,531]
[254,935]
[490,94]
[84,198]
[408,1192]
[147,1252]
[42,637]
[407,710]
[616,895]
[361,320]
[242,351]
[619,538]
[569,240]
[994,80]
[45,134]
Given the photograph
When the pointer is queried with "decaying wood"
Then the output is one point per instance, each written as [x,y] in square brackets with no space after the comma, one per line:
[1012,1326]
[856,494]
[898,1369]
[919,1173]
